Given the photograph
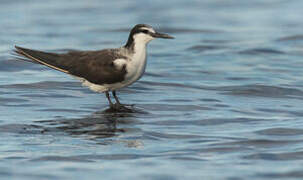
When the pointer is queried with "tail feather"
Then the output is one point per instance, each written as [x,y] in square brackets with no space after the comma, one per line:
[44,58]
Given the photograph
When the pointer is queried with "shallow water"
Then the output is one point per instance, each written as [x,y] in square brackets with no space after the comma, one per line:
[221,101]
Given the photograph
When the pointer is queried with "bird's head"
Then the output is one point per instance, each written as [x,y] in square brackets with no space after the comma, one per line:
[143,33]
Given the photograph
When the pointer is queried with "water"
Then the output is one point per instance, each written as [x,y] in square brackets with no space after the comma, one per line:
[221,101]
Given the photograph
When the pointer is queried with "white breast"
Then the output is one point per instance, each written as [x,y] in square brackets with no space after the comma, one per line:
[135,67]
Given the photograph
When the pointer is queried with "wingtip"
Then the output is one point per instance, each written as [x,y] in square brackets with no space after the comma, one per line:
[18,47]
[36,57]
[19,54]
[19,50]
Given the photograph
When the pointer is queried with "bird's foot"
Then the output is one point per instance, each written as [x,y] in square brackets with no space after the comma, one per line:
[121,107]
[130,105]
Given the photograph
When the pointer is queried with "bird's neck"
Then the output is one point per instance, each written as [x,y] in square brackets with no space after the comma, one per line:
[137,55]
[130,42]
[136,48]
[139,51]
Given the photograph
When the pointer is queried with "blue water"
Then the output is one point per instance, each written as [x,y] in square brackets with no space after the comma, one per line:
[221,101]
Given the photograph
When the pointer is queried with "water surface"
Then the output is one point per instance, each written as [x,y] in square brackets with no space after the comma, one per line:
[221,101]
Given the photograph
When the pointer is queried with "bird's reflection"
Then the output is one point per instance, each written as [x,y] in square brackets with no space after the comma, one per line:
[100,124]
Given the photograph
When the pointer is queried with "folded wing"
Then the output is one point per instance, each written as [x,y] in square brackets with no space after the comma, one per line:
[95,66]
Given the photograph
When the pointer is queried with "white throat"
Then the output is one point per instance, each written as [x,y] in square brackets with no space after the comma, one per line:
[139,58]
[139,49]
[135,67]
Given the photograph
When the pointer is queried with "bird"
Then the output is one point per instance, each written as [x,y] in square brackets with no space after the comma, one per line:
[102,71]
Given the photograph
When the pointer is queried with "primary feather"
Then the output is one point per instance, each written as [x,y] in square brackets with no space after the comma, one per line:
[94,66]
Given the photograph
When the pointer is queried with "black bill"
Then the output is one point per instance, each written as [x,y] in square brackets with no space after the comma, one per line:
[162,35]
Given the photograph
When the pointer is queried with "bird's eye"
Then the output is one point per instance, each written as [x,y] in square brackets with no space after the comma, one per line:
[145,31]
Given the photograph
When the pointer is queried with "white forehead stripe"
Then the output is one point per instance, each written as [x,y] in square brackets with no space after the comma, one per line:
[149,29]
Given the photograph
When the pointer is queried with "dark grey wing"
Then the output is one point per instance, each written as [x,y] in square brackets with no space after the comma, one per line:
[95,66]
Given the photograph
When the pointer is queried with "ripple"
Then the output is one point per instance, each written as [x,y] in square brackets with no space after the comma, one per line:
[48,95]
[185,158]
[171,107]
[217,41]
[257,51]
[298,37]
[158,135]
[202,48]
[21,129]
[276,156]
[262,91]
[257,90]
[282,175]
[98,125]
[281,111]
[262,143]
[62,158]
[281,132]
[238,78]
[63,110]
[4,101]
[11,65]
[176,85]
[44,85]
[117,156]
[208,122]
[15,158]
[210,100]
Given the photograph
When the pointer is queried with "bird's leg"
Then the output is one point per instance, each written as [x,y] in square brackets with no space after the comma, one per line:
[108,98]
[117,100]
[116,106]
